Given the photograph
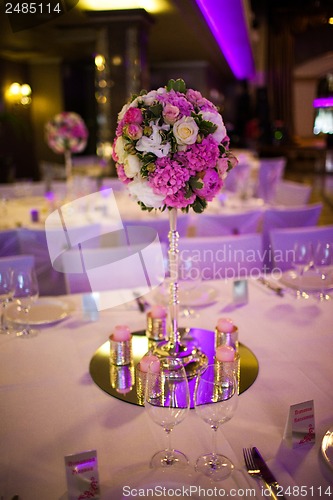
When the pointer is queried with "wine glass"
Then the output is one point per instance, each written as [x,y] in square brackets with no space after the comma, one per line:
[302,262]
[167,401]
[6,292]
[215,401]
[26,292]
[323,260]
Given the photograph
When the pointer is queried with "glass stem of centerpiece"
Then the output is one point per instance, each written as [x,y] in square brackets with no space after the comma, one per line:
[174,337]
[68,164]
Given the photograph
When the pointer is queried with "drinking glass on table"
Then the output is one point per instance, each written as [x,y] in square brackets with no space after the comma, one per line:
[215,401]
[25,293]
[323,262]
[302,262]
[167,401]
[6,292]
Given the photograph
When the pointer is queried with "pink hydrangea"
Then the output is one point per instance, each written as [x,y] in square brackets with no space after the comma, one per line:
[179,200]
[201,156]
[177,99]
[168,177]
[212,183]
[195,97]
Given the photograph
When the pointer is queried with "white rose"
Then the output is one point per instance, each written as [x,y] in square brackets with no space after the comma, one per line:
[185,130]
[141,191]
[120,151]
[123,111]
[132,165]
[215,118]
[153,143]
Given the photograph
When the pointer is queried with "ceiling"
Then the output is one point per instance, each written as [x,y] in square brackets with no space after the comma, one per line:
[173,37]
[180,33]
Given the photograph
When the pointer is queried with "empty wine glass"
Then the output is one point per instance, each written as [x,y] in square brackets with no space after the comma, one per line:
[323,260]
[167,401]
[215,401]
[6,292]
[26,292]
[302,262]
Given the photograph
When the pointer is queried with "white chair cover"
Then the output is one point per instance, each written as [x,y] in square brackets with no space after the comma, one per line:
[275,218]
[283,241]
[290,193]
[161,225]
[221,257]
[238,178]
[226,224]
[270,172]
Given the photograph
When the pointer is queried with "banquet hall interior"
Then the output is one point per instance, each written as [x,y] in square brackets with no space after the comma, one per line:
[267,67]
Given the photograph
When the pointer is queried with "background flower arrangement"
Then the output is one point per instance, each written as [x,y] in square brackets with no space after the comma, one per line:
[66,132]
[171,148]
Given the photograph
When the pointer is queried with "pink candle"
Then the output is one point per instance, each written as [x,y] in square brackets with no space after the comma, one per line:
[158,312]
[225,325]
[225,353]
[121,333]
[147,360]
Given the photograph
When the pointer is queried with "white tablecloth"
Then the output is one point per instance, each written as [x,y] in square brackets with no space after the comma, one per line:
[50,407]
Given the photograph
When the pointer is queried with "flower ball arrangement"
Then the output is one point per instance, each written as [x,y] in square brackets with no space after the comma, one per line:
[66,132]
[172,149]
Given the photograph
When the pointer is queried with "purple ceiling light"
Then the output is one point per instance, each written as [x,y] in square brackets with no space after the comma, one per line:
[323,102]
[226,20]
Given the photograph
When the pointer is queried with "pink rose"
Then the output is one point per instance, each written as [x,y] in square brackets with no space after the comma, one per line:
[133,115]
[170,113]
[222,167]
[133,131]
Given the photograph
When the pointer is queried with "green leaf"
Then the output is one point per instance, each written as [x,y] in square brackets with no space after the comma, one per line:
[199,205]
[156,110]
[177,85]
[196,183]
[206,127]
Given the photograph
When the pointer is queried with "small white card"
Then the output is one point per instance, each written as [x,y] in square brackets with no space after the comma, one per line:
[240,292]
[300,427]
[82,476]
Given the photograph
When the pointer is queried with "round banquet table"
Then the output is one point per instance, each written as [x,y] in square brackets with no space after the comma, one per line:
[51,407]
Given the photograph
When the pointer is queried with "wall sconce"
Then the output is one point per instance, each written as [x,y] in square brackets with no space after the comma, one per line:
[19,94]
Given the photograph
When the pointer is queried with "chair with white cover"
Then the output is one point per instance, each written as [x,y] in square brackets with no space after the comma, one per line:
[226,224]
[283,242]
[45,247]
[221,257]
[290,193]
[161,225]
[270,173]
[279,217]
[117,274]
[238,178]
[9,243]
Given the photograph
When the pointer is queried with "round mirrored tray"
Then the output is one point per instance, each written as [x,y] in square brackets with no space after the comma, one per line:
[120,381]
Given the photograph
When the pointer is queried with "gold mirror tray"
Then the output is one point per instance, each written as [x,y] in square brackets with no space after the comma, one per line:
[120,382]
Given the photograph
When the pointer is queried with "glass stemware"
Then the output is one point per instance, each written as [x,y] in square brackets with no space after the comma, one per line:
[302,262]
[6,292]
[215,401]
[26,292]
[167,401]
[323,260]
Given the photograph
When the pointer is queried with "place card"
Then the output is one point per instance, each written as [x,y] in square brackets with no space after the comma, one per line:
[240,292]
[300,427]
[82,475]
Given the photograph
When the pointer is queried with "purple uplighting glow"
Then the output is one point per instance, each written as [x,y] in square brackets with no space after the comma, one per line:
[323,102]
[226,19]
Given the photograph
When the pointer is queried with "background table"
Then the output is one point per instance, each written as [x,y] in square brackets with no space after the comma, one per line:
[50,407]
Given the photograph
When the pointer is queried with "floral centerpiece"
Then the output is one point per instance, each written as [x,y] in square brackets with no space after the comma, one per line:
[65,134]
[172,149]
